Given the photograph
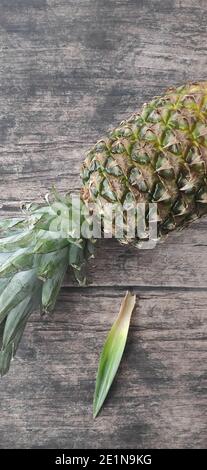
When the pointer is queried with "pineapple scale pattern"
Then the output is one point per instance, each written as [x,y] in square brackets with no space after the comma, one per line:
[157,155]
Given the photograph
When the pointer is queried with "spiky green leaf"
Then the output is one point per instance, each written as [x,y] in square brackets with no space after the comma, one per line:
[34,257]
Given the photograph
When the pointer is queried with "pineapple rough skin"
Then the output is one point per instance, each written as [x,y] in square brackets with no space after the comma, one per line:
[157,155]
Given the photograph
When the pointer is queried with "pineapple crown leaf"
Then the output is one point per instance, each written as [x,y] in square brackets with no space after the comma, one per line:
[35,253]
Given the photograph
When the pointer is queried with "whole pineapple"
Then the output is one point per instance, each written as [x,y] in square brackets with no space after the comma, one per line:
[157,155]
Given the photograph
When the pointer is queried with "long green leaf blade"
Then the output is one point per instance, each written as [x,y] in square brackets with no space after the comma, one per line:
[34,257]
[112,352]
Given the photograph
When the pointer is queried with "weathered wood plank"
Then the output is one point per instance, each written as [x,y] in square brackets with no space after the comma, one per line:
[180,260]
[158,398]
[168,264]
[65,77]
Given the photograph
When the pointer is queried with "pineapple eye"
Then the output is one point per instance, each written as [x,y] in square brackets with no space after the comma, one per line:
[154,116]
[135,118]
[129,199]
[167,173]
[118,147]
[165,115]
[177,121]
[168,224]
[85,174]
[148,111]
[163,167]
[123,132]
[199,130]
[142,186]
[107,191]
[149,135]
[175,148]
[179,207]
[100,146]
[139,157]
[160,193]
[193,156]
[189,102]
[168,138]
[89,158]
[112,168]
[138,121]
[127,132]
[201,196]
[181,180]
[161,162]
[137,179]
[143,159]
[94,191]
[93,166]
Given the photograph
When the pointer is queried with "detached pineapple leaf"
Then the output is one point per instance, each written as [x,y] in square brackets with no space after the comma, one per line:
[112,352]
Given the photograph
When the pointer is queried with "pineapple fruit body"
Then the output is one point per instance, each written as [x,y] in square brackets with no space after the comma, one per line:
[158,155]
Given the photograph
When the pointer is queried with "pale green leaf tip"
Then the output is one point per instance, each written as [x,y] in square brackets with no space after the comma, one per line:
[95,413]
[96,409]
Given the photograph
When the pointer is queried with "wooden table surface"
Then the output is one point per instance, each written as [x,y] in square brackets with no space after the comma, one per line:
[69,70]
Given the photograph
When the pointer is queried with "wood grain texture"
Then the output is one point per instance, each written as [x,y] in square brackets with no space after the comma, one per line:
[69,71]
